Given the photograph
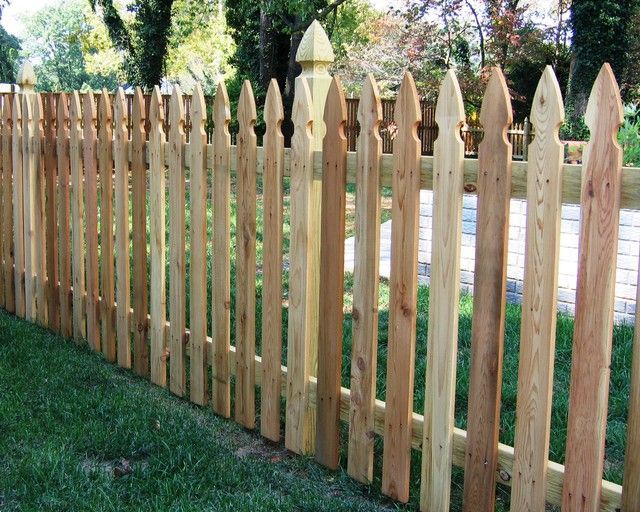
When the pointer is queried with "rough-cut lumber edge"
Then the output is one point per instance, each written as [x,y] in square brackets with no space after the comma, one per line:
[91,217]
[121,197]
[64,216]
[198,362]
[489,297]
[77,216]
[365,285]
[272,264]
[8,207]
[157,196]
[39,234]
[245,387]
[139,234]
[403,290]
[299,428]
[538,328]
[595,296]
[18,206]
[631,481]
[51,215]
[177,271]
[334,185]
[107,278]
[442,338]
[221,280]
[28,190]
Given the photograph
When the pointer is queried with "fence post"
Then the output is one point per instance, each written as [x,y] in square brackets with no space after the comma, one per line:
[315,55]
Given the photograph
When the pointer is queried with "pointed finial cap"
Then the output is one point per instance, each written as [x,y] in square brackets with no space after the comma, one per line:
[26,77]
[315,46]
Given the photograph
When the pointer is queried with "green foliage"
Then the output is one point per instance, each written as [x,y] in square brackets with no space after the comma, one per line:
[9,52]
[629,136]
[69,48]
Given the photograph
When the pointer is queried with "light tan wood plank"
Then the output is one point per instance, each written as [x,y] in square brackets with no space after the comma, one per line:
[272,264]
[299,428]
[139,234]
[246,261]
[444,295]
[365,285]
[8,208]
[538,328]
[89,154]
[77,216]
[489,289]
[4,241]
[331,271]
[177,314]
[403,293]
[592,334]
[39,235]
[121,196]
[107,262]
[18,206]
[64,216]
[29,191]
[157,185]
[51,209]
[198,300]
[220,282]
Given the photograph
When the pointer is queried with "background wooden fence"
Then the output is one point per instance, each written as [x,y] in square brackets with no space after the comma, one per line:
[84,192]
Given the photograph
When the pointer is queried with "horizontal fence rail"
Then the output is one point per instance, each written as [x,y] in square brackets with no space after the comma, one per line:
[107,201]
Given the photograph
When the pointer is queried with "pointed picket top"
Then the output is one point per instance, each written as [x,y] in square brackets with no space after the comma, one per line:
[495,113]
[38,112]
[246,109]
[63,115]
[450,108]
[314,47]
[221,109]
[370,109]
[335,111]
[604,113]
[138,114]
[104,110]
[74,110]
[120,114]
[198,111]
[407,113]
[89,112]
[302,113]
[176,111]
[273,110]
[547,110]
[6,113]
[156,111]
[26,78]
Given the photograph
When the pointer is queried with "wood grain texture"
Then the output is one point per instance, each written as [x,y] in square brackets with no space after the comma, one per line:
[444,296]
[157,199]
[631,480]
[403,286]
[121,197]
[199,362]
[177,275]
[139,234]
[365,285]
[592,335]
[3,241]
[489,288]
[18,206]
[220,282]
[272,264]
[107,260]
[29,192]
[8,208]
[51,214]
[89,154]
[538,328]
[334,184]
[246,261]
[39,234]
[77,216]
[64,215]
[299,429]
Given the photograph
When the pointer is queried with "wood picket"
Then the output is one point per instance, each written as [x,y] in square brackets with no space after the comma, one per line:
[51,209]
[64,215]
[8,206]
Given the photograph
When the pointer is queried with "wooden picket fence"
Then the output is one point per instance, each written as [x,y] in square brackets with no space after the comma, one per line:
[79,187]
